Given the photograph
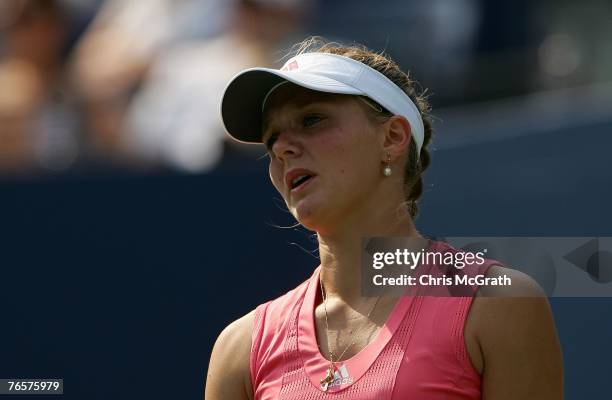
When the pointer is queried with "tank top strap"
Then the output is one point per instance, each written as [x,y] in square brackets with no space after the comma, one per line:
[293,374]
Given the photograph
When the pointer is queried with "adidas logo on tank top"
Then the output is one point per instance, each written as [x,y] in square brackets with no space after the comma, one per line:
[341,377]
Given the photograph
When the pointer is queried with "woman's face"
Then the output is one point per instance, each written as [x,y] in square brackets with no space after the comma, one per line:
[330,139]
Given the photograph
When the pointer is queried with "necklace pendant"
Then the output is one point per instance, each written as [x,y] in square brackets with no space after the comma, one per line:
[328,379]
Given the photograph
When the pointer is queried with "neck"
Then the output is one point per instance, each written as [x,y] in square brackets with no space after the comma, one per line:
[340,249]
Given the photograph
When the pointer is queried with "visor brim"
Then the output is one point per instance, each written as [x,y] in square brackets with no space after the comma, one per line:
[242,102]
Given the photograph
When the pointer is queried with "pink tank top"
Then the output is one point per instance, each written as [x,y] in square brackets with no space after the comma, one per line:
[419,353]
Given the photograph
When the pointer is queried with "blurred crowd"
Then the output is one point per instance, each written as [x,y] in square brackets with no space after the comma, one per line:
[136,84]
[126,83]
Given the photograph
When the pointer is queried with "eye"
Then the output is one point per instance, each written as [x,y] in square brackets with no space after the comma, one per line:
[270,141]
[311,119]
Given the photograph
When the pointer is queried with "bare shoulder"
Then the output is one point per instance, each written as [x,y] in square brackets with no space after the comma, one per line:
[498,310]
[520,284]
[517,349]
[228,374]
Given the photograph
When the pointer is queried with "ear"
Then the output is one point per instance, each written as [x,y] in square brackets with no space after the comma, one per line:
[397,136]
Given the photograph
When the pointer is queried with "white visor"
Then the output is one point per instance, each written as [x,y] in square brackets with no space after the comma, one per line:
[245,95]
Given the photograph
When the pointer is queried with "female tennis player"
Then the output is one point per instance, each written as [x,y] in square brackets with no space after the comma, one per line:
[347,135]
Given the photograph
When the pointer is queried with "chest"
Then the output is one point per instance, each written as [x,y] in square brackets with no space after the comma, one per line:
[422,357]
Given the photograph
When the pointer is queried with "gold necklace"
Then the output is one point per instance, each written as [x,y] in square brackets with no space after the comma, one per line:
[329,374]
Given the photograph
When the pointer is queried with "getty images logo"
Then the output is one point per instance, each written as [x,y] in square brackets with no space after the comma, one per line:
[341,377]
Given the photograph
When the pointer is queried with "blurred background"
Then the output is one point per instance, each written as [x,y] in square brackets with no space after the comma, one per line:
[124,209]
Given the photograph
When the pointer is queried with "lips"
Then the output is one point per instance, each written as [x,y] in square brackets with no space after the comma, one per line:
[299,180]
[296,177]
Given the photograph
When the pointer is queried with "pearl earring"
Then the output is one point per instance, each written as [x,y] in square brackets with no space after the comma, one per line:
[387,170]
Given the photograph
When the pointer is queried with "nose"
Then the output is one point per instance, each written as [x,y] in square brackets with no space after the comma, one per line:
[286,145]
